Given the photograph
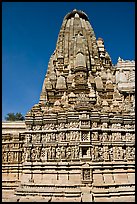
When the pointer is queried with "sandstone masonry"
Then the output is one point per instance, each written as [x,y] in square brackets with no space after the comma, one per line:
[78,143]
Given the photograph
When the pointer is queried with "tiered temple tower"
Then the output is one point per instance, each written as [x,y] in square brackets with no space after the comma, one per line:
[80,138]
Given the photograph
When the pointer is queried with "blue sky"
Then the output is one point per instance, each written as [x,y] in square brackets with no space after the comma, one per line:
[29,35]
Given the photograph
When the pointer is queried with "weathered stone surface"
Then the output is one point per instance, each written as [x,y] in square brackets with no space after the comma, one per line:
[78,142]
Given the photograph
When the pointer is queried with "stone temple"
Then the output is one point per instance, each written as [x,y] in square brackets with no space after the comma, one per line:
[78,142]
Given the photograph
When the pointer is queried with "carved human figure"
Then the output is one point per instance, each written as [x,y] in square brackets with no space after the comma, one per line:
[127,136]
[92,92]
[47,84]
[71,135]
[106,153]
[38,137]
[44,139]
[89,84]
[105,136]
[63,152]
[68,136]
[118,136]
[58,153]
[94,124]
[64,99]
[4,157]
[124,154]
[100,153]
[114,125]
[111,154]
[68,152]
[119,153]
[95,135]
[76,124]
[114,136]
[45,127]
[10,157]
[53,136]
[46,154]
[95,154]
[70,77]
[73,83]
[73,152]
[42,155]
[27,154]
[49,152]
[33,154]
[77,136]
[110,137]
[76,152]
[62,136]
[131,153]
[53,153]
[57,137]
[101,137]
[38,151]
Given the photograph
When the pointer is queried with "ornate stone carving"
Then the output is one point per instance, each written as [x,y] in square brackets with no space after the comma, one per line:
[28,138]
[73,125]
[4,157]
[106,155]
[85,136]
[76,148]
[61,125]
[49,126]
[99,83]
[61,136]
[86,174]
[63,152]
[84,119]
[131,153]
[95,136]
[58,153]
[36,127]
[61,83]
[94,125]
[68,153]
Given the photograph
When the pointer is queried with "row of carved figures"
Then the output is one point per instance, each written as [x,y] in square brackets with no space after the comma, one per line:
[52,126]
[107,153]
[80,136]
[95,153]
[46,153]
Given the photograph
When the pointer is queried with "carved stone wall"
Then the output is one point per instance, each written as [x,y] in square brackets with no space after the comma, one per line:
[12,157]
[79,142]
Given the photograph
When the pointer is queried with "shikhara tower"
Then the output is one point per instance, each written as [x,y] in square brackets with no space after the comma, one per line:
[79,142]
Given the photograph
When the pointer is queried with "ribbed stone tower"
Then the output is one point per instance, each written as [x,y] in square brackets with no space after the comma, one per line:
[79,142]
